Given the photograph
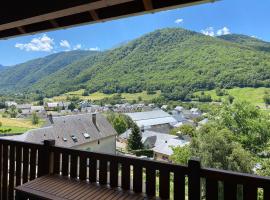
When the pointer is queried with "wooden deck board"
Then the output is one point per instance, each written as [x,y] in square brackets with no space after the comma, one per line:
[63,188]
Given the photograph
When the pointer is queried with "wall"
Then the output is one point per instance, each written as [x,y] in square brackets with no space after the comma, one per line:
[104,145]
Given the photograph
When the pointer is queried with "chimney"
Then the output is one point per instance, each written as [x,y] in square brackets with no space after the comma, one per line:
[50,117]
[142,128]
[94,120]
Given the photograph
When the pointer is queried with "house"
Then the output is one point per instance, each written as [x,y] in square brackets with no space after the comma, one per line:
[10,103]
[163,151]
[38,109]
[50,106]
[160,143]
[195,112]
[85,131]
[155,120]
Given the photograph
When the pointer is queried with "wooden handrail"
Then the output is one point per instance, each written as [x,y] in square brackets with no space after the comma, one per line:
[27,161]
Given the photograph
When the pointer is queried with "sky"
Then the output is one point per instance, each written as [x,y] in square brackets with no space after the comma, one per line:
[249,17]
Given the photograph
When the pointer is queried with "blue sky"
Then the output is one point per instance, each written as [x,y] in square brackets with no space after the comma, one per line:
[250,17]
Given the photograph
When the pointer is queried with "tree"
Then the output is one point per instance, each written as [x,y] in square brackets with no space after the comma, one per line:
[230,99]
[217,148]
[119,125]
[266,99]
[35,118]
[135,139]
[249,125]
[13,111]
[185,129]
[71,106]
[181,155]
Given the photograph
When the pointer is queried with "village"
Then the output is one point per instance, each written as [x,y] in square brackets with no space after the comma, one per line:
[98,128]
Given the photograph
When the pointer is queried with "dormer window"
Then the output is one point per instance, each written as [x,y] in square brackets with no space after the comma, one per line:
[74,138]
[86,135]
[64,139]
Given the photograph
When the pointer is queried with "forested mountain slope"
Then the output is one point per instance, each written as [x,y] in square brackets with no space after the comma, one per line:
[23,76]
[174,60]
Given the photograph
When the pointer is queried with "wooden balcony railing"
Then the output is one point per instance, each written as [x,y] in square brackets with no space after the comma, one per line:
[21,162]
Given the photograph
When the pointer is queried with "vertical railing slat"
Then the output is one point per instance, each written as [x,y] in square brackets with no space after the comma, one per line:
[194,182]
[125,176]
[73,166]
[25,164]
[5,172]
[150,181]
[266,193]
[11,172]
[82,168]
[1,169]
[103,165]
[250,192]
[65,161]
[113,173]
[164,183]
[33,163]
[230,191]
[18,165]
[56,162]
[179,185]
[92,169]
[211,189]
[137,178]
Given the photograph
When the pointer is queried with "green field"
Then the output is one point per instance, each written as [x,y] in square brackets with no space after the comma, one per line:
[18,125]
[98,96]
[252,95]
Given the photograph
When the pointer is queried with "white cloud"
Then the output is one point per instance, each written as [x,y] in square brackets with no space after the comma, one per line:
[43,43]
[209,31]
[77,47]
[65,44]
[94,49]
[179,21]
[223,31]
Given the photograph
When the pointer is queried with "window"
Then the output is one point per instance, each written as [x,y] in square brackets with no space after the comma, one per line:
[86,135]
[74,138]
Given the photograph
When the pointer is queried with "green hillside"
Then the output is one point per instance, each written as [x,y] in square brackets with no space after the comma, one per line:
[175,61]
[23,76]
[252,95]
[248,41]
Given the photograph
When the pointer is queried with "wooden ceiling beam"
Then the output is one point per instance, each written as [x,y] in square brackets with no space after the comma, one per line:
[21,30]
[148,5]
[94,15]
[54,23]
[63,13]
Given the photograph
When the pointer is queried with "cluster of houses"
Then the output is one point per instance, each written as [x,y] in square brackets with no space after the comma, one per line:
[88,130]
[155,127]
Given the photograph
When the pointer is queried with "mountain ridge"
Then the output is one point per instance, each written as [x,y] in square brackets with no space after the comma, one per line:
[172,60]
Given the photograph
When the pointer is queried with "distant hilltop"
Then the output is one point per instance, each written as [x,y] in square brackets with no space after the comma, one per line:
[170,60]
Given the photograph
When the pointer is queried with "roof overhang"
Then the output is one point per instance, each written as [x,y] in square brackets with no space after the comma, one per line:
[29,17]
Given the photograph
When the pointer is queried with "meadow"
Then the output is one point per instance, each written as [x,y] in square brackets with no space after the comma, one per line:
[18,125]
[98,96]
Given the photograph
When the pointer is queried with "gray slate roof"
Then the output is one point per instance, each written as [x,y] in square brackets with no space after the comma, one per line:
[66,126]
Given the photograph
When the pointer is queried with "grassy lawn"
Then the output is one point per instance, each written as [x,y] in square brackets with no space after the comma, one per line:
[99,96]
[252,95]
[18,125]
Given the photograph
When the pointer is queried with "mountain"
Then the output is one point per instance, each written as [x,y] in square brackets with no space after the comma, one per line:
[2,67]
[175,61]
[248,41]
[23,76]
